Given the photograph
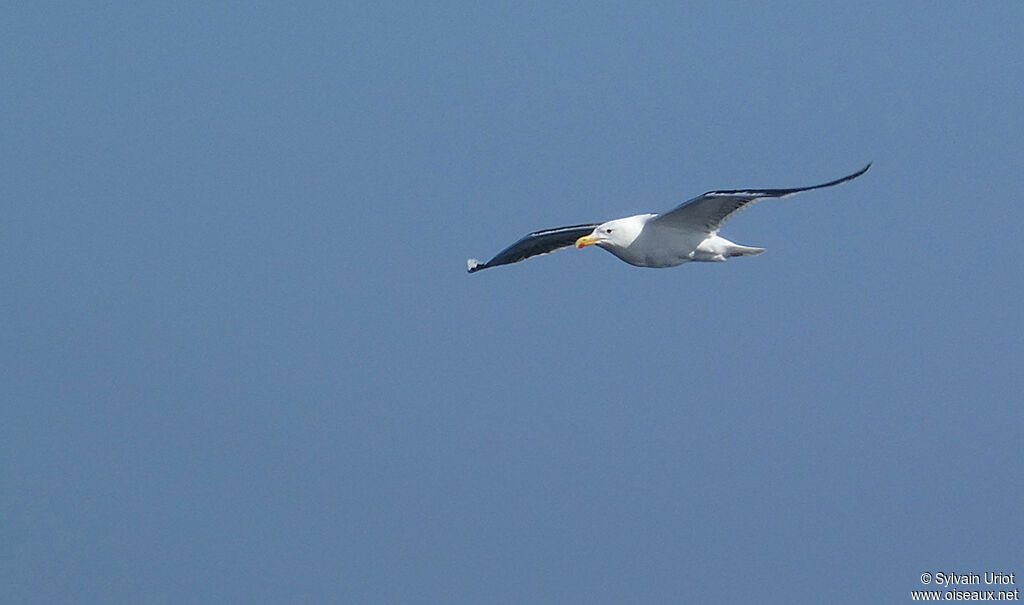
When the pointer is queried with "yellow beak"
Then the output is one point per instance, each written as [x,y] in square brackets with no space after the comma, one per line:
[586,240]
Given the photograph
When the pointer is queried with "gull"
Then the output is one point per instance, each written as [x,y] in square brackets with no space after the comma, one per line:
[686,233]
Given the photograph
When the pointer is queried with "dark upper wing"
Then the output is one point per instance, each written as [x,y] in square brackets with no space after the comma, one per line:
[707,212]
[538,242]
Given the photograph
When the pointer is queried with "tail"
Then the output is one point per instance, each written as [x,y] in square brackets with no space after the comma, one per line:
[737,250]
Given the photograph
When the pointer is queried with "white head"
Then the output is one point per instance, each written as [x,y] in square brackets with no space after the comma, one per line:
[619,233]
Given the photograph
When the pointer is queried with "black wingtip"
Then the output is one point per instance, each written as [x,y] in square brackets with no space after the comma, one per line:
[845,178]
[838,181]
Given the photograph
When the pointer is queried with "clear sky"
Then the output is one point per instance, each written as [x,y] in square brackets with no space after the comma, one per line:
[243,361]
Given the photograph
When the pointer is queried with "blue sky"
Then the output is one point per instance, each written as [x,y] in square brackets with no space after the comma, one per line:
[243,361]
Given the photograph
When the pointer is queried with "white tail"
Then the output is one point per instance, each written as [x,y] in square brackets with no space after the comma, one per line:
[737,250]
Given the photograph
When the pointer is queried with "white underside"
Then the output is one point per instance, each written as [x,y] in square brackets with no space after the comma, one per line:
[667,247]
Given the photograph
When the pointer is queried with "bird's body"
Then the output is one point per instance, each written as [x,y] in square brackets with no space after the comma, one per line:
[686,233]
[642,243]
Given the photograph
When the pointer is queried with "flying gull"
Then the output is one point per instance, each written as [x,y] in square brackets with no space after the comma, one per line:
[686,233]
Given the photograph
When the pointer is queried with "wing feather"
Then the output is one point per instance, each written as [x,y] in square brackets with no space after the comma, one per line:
[538,242]
[709,211]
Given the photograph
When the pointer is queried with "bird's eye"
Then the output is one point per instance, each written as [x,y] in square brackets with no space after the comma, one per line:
[608,231]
